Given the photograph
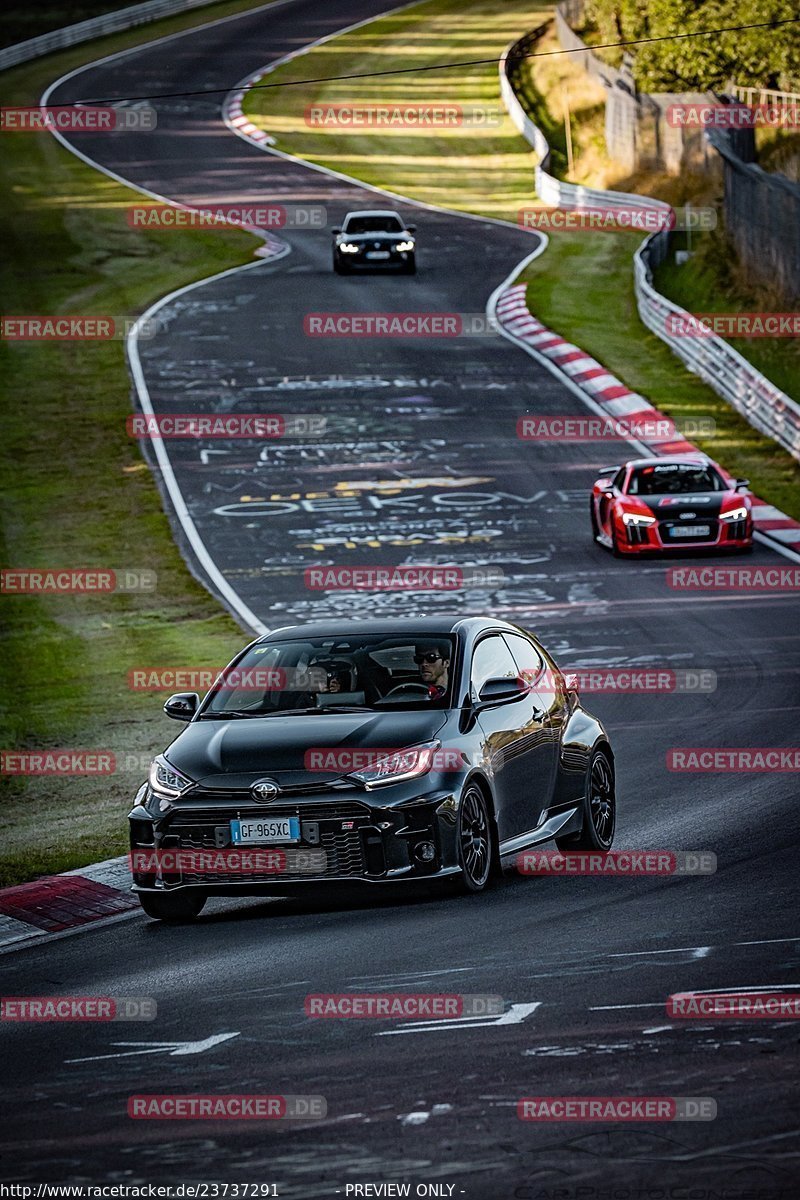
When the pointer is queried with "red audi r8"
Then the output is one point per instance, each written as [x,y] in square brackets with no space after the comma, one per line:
[677,503]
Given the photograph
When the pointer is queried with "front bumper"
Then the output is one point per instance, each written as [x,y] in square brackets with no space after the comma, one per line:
[397,258]
[659,538]
[345,838]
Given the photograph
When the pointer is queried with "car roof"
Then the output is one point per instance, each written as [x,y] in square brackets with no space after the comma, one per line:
[373,212]
[385,626]
[698,459]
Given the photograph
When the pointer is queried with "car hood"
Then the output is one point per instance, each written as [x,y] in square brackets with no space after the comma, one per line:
[234,753]
[702,504]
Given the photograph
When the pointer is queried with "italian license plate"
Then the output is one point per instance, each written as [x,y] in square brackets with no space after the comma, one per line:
[266,831]
[377,254]
[691,531]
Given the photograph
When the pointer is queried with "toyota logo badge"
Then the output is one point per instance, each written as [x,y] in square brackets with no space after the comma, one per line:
[265,789]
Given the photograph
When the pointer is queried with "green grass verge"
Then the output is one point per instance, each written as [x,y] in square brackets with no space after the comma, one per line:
[76,490]
[583,285]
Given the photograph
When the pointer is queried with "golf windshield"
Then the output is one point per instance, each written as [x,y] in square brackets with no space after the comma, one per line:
[326,673]
[373,225]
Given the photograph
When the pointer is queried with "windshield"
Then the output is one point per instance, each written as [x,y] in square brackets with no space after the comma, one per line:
[309,675]
[674,479]
[373,225]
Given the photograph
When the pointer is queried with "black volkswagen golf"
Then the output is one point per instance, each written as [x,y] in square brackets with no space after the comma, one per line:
[374,751]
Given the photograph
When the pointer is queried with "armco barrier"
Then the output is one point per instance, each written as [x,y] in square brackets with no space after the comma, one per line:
[760,402]
[84,31]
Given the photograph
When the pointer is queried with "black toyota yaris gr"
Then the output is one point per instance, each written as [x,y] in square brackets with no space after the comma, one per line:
[373,751]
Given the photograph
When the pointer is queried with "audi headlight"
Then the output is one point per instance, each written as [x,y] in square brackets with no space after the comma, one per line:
[735,514]
[166,780]
[402,246]
[397,766]
[348,248]
[630,518]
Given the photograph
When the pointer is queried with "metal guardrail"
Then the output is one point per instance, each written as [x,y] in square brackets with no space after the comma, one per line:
[83,31]
[760,402]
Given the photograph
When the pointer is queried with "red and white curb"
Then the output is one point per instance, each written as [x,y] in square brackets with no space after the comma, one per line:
[604,389]
[236,117]
[59,903]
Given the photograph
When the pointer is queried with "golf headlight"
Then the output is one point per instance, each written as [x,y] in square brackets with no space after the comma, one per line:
[735,514]
[348,248]
[165,780]
[630,518]
[397,766]
[402,246]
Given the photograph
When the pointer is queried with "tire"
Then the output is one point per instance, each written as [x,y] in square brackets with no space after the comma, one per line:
[411,267]
[593,519]
[615,550]
[339,267]
[176,908]
[475,843]
[599,808]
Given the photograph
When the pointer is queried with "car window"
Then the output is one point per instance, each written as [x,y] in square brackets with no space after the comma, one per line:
[492,660]
[325,672]
[529,661]
[373,225]
[674,479]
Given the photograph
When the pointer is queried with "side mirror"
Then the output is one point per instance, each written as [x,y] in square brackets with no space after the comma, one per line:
[742,485]
[411,228]
[182,706]
[336,229]
[502,688]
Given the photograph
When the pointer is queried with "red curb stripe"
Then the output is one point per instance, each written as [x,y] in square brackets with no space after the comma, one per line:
[63,901]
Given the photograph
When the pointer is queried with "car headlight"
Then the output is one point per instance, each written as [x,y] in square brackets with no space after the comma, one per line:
[735,514]
[348,248]
[397,766]
[630,518]
[402,246]
[166,780]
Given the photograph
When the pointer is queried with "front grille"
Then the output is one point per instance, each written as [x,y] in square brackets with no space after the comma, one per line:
[673,532]
[324,811]
[344,857]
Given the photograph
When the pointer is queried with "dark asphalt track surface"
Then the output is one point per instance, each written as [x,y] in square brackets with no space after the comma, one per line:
[597,956]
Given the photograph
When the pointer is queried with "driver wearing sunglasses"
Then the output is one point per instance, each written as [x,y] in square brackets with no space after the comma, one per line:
[433,661]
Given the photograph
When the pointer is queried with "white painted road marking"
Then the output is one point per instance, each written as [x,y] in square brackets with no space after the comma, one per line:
[172,1048]
[516,1014]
